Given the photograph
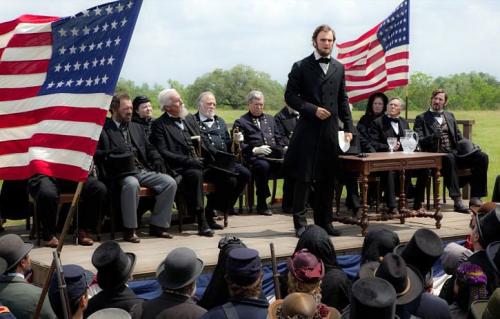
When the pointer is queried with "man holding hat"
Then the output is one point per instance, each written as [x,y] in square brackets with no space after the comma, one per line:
[244,277]
[77,280]
[229,177]
[438,132]
[131,161]
[177,276]
[16,293]
[114,268]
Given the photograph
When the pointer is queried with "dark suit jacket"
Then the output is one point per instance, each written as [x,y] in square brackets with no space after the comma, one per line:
[168,306]
[427,128]
[363,127]
[168,139]
[285,124]
[382,129]
[218,133]
[123,298]
[313,147]
[111,137]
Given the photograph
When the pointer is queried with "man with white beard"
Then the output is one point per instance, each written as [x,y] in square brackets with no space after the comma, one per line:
[175,135]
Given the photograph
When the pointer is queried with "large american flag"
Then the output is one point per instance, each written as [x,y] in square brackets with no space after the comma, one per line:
[378,60]
[57,78]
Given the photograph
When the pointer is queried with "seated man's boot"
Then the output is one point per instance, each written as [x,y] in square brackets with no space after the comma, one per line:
[130,235]
[475,201]
[203,228]
[459,206]
[330,230]
[157,231]
[262,208]
[84,238]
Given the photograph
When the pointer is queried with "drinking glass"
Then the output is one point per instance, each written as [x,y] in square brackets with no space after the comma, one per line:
[392,142]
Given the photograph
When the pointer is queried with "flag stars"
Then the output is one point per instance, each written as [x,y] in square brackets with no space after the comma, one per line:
[109,9]
[129,4]
[119,7]
[86,13]
[114,24]
[91,46]
[82,48]
[50,85]
[111,60]
[105,27]
[96,80]
[94,62]
[79,82]
[62,32]
[108,43]
[67,67]
[74,31]
[104,79]
[102,61]
[96,28]
[60,84]
[57,68]
[99,45]
[72,50]
[86,65]
[117,40]
[86,30]
[69,82]
[88,82]
[62,50]
[97,11]
[76,66]
[124,21]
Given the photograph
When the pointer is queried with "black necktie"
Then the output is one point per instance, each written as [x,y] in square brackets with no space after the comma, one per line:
[394,120]
[208,120]
[437,114]
[324,60]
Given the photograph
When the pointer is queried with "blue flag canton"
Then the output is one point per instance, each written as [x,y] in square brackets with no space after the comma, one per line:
[88,49]
[395,30]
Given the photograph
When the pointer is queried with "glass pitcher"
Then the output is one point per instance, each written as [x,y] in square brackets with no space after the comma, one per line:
[410,141]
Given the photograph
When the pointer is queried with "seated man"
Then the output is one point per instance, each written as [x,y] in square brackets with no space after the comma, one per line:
[216,139]
[174,134]
[260,139]
[392,125]
[438,132]
[126,155]
[16,293]
[46,190]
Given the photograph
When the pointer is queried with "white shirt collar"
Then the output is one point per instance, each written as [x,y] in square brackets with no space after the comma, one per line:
[203,118]
[318,56]
[16,274]
[117,123]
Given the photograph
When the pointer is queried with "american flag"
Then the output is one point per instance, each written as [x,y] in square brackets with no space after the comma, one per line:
[57,78]
[378,60]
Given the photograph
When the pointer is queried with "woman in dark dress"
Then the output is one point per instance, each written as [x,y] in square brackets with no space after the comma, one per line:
[143,113]
[377,105]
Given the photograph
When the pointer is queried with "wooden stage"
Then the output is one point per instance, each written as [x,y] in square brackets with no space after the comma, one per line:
[255,230]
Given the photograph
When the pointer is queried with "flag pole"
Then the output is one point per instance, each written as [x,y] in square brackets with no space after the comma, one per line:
[67,224]
[406,102]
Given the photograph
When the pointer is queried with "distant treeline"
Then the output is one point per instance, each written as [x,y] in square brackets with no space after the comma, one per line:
[467,91]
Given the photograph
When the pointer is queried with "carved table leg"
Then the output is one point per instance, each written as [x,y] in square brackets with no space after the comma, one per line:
[437,203]
[402,197]
[364,216]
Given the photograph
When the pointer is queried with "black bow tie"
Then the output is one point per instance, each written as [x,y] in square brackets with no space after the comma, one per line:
[437,114]
[208,120]
[324,60]
[177,119]
[123,126]
[394,120]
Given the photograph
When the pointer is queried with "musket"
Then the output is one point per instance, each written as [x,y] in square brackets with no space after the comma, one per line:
[235,146]
[276,275]
[61,285]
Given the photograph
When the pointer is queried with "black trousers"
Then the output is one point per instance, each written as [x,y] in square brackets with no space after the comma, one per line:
[322,202]
[477,162]
[45,190]
[191,187]
[228,187]
[261,171]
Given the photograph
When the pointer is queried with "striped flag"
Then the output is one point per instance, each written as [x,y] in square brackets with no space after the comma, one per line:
[57,78]
[378,60]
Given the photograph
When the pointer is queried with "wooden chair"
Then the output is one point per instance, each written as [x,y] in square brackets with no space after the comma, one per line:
[371,180]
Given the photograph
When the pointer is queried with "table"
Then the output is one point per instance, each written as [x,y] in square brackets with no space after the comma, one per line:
[397,161]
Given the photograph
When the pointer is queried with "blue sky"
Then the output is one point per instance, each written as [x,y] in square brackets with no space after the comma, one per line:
[184,39]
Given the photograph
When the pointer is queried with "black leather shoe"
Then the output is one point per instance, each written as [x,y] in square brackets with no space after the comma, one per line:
[475,201]
[130,235]
[331,231]
[300,231]
[207,232]
[157,231]
[214,225]
[459,206]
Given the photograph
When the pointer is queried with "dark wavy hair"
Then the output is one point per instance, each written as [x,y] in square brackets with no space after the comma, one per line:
[371,99]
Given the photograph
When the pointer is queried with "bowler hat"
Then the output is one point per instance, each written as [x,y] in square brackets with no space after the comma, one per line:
[407,281]
[453,255]
[465,148]
[13,249]
[243,266]
[113,265]
[422,251]
[77,281]
[488,226]
[298,304]
[120,165]
[139,100]
[487,309]
[306,267]
[180,268]
[224,162]
[372,298]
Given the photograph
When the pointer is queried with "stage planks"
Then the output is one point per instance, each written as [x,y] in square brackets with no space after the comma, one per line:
[256,231]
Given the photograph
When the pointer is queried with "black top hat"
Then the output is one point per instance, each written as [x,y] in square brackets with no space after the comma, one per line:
[465,148]
[407,282]
[224,162]
[422,251]
[139,100]
[372,298]
[180,268]
[13,249]
[120,165]
[276,154]
[113,265]
[488,226]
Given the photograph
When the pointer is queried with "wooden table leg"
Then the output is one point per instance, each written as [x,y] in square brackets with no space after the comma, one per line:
[364,216]
[402,197]
[438,216]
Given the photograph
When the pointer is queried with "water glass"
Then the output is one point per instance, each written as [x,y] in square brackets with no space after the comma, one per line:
[392,142]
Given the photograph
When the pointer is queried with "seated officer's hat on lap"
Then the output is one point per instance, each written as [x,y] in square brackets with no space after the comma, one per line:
[422,251]
[120,165]
[180,268]
[487,309]
[276,155]
[224,162]
[114,266]
[465,148]
[13,249]
[488,226]
[371,298]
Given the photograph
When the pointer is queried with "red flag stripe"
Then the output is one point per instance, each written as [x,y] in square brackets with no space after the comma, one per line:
[62,113]
[74,143]
[6,27]
[57,170]
[393,84]
[30,39]
[23,67]
[361,38]
[18,93]
[375,72]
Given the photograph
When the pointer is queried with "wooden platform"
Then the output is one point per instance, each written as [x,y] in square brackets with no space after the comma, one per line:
[256,231]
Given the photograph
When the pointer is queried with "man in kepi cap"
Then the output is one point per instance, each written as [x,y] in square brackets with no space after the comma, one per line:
[15,292]
[114,268]
[177,276]
[76,280]
[244,277]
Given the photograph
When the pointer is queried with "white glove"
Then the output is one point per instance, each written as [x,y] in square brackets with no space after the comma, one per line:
[262,150]
[238,137]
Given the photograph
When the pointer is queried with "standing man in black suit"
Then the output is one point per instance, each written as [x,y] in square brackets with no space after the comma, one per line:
[438,132]
[217,143]
[176,135]
[316,89]
[124,141]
